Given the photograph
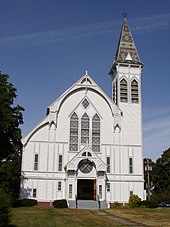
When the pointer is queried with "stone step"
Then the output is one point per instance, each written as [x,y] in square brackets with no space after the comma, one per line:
[72,203]
[87,204]
[103,204]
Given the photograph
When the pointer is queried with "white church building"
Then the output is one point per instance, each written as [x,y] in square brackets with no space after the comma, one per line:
[89,147]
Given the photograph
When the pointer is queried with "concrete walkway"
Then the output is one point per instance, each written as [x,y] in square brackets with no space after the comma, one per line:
[119,220]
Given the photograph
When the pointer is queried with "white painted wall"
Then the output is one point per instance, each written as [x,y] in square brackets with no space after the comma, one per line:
[51,139]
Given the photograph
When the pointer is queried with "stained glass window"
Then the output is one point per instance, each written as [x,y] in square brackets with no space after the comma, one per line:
[74,132]
[96,133]
[85,129]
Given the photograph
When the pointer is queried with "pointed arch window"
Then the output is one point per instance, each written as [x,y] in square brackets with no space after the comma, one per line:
[96,133]
[85,129]
[73,132]
[134,92]
[123,91]
[114,91]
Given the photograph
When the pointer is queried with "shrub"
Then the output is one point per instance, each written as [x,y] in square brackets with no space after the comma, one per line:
[24,203]
[152,203]
[134,201]
[4,208]
[62,203]
[116,205]
[16,203]
[144,203]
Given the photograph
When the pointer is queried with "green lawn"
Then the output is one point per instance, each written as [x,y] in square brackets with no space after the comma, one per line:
[40,216]
[147,216]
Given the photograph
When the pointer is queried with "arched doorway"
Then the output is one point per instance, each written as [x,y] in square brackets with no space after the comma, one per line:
[86,188]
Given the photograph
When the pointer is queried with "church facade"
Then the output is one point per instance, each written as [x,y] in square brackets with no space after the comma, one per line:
[89,147]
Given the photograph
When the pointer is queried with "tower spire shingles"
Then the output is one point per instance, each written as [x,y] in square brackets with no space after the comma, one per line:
[126,50]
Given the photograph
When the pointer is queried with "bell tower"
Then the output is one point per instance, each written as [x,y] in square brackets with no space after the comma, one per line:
[126,86]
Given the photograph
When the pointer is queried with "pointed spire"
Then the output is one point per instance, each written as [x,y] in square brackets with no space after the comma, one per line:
[126,50]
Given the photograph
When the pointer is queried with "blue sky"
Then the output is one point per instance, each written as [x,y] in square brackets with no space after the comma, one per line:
[47,45]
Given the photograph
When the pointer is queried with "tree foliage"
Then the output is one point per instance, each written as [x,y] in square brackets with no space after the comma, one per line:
[10,172]
[161,176]
[4,208]
[10,119]
[10,137]
[134,201]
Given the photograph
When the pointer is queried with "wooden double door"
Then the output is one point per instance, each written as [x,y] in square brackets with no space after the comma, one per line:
[86,189]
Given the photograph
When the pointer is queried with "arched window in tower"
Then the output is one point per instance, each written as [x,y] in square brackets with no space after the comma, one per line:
[73,132]
[85,129]
[114,91]
[96,133]
[123,91]
[134,92]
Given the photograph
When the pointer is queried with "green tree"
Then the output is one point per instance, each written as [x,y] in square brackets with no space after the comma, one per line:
[4,208]
[148,176]
[10,137]
[161,176]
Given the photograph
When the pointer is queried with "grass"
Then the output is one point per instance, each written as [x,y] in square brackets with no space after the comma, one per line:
[147,216]
[44,216]
[40,216]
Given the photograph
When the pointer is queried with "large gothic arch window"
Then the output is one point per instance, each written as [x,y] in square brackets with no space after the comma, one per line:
[123,91]
[134,92]
[96,133]
[85,129]
[73,132]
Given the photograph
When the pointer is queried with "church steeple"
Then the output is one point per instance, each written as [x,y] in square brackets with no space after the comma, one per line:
[126,70]
[126,50]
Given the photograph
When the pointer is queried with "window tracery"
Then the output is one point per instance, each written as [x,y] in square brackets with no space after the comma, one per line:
[85,129]
[74,132]
[83,132]
[96,133]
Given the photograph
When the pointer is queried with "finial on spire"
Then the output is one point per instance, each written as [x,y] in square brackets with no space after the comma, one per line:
[86,73]
[124,14]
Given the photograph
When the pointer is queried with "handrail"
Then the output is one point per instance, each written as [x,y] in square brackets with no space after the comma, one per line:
[76,201]
[98,199]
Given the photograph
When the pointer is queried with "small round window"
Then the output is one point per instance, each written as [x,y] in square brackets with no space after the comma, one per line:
[85,166]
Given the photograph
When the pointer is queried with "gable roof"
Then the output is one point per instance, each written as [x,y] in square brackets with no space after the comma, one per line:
[84,83]
[73,163]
